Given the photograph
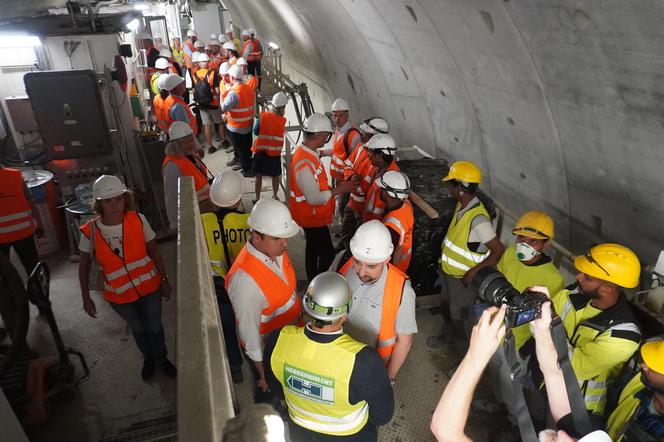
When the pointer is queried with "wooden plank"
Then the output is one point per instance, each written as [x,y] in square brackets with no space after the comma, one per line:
[426,208]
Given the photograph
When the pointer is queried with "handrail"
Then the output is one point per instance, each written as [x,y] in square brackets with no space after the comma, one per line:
[205,394]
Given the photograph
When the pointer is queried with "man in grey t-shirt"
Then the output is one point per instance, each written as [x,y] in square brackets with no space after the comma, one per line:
[383,313]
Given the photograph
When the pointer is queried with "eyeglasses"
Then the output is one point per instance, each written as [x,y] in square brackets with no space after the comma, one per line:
[590,258]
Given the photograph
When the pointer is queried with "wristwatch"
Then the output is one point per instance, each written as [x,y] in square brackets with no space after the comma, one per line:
[392,382]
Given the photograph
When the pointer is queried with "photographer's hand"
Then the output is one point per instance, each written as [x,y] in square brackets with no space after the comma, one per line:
[487,335]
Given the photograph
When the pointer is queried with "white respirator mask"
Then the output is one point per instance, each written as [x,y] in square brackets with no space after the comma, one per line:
[525,252]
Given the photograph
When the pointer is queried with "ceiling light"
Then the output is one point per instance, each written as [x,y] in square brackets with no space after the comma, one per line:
[133,25]
[19,41]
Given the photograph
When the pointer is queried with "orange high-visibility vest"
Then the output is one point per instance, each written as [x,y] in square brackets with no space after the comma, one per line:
[199,75]
[402,221]
[132,276]
[16,221]
[340,144]
[255,54]
[376,206]
[270,137]
[169,102]
[187,168]
[387,334]
[358,164]
[252,82]
[215,62]
[159,108]
[284,305]
[242,115]
[305,214]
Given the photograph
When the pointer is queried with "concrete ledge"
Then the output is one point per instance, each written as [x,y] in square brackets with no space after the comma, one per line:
[205,392]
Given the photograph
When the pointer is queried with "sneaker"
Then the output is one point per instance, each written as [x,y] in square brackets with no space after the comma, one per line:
[232,162]
[236,375]
[169,369]
[148,369]
[212,150]
[236,166]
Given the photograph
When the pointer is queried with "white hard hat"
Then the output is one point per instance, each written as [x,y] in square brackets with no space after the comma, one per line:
[236,72]
[241,62]
[340,105]
[203,58]
[165,52]
[372,243]
[161,82]
[252,31]
[596,436]
[199,44]
[213,36]
[222,38]
[171,81]
[382,142]
[317,123]
[161,63]
[227,188]
[328,297]
[229,45]
[272,217]
[195,56]
[191,33]
[279,99]
[213,42]
[107,186]
[245,32]
[395,183]
[223,69]
[375,125]
[179,129]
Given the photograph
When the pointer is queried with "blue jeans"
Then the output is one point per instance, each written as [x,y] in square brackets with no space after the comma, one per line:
[144,319]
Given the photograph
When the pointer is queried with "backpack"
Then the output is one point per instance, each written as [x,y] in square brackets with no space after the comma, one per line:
[202,91]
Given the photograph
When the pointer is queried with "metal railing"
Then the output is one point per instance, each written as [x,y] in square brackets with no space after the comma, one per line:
[205,393]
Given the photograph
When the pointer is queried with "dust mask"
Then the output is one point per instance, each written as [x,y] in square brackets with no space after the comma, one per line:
[525,252]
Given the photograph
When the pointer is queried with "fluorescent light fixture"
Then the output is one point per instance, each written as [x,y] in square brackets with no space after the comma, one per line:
[273,45]
[19,41]
[140,6]
[133,25]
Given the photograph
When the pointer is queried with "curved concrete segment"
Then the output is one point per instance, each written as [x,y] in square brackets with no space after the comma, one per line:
[559,102]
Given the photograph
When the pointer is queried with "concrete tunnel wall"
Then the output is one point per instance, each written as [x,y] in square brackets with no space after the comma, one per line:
[559,102]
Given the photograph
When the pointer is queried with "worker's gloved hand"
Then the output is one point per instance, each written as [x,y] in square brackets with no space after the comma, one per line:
[89,307]
[487,335]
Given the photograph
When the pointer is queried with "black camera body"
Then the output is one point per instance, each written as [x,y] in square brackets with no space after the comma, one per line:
[494,289]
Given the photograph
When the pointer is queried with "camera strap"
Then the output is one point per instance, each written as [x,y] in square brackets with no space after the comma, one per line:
[577,402]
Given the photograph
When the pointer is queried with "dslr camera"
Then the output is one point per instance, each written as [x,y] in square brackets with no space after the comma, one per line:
[521,307]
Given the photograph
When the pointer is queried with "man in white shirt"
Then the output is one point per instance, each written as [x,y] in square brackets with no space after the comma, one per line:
[261,284]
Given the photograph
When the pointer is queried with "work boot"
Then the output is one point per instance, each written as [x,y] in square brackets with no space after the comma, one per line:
[236,166]
[232,162]
[148,368]
[212,149]
[236,375]
[169,369]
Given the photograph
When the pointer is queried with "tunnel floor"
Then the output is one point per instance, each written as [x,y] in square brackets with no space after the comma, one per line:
[116,404]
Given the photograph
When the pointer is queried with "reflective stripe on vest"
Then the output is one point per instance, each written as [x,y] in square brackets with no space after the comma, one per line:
[170,101]
[243,114]
[235,228]
[305,214]
[316,382]
[625,410]
[270,134]
[375,205]
[455,257]
[283,303]
[339,152]
[187,168]
[16,221]
[134,274]
[393,293]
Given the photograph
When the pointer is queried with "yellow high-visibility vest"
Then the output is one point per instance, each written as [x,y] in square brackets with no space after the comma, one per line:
[236,230]
[455,258]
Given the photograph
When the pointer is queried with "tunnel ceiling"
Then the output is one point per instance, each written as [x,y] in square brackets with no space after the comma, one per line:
[560,102]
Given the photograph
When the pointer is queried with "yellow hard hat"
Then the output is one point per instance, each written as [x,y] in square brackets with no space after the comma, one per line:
[466,171]
[611,262]
[653,355]
[534,224]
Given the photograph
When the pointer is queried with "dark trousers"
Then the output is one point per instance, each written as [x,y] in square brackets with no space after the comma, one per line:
[25,249]
[318,252]
[144,319]
[260,396]
[242,149]
[228,324]
[254,68]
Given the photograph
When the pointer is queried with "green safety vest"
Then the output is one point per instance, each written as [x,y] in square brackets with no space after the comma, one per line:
[236,231]
[455,258]
[601,342]
[316,382]
[627,405]
[522,276]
